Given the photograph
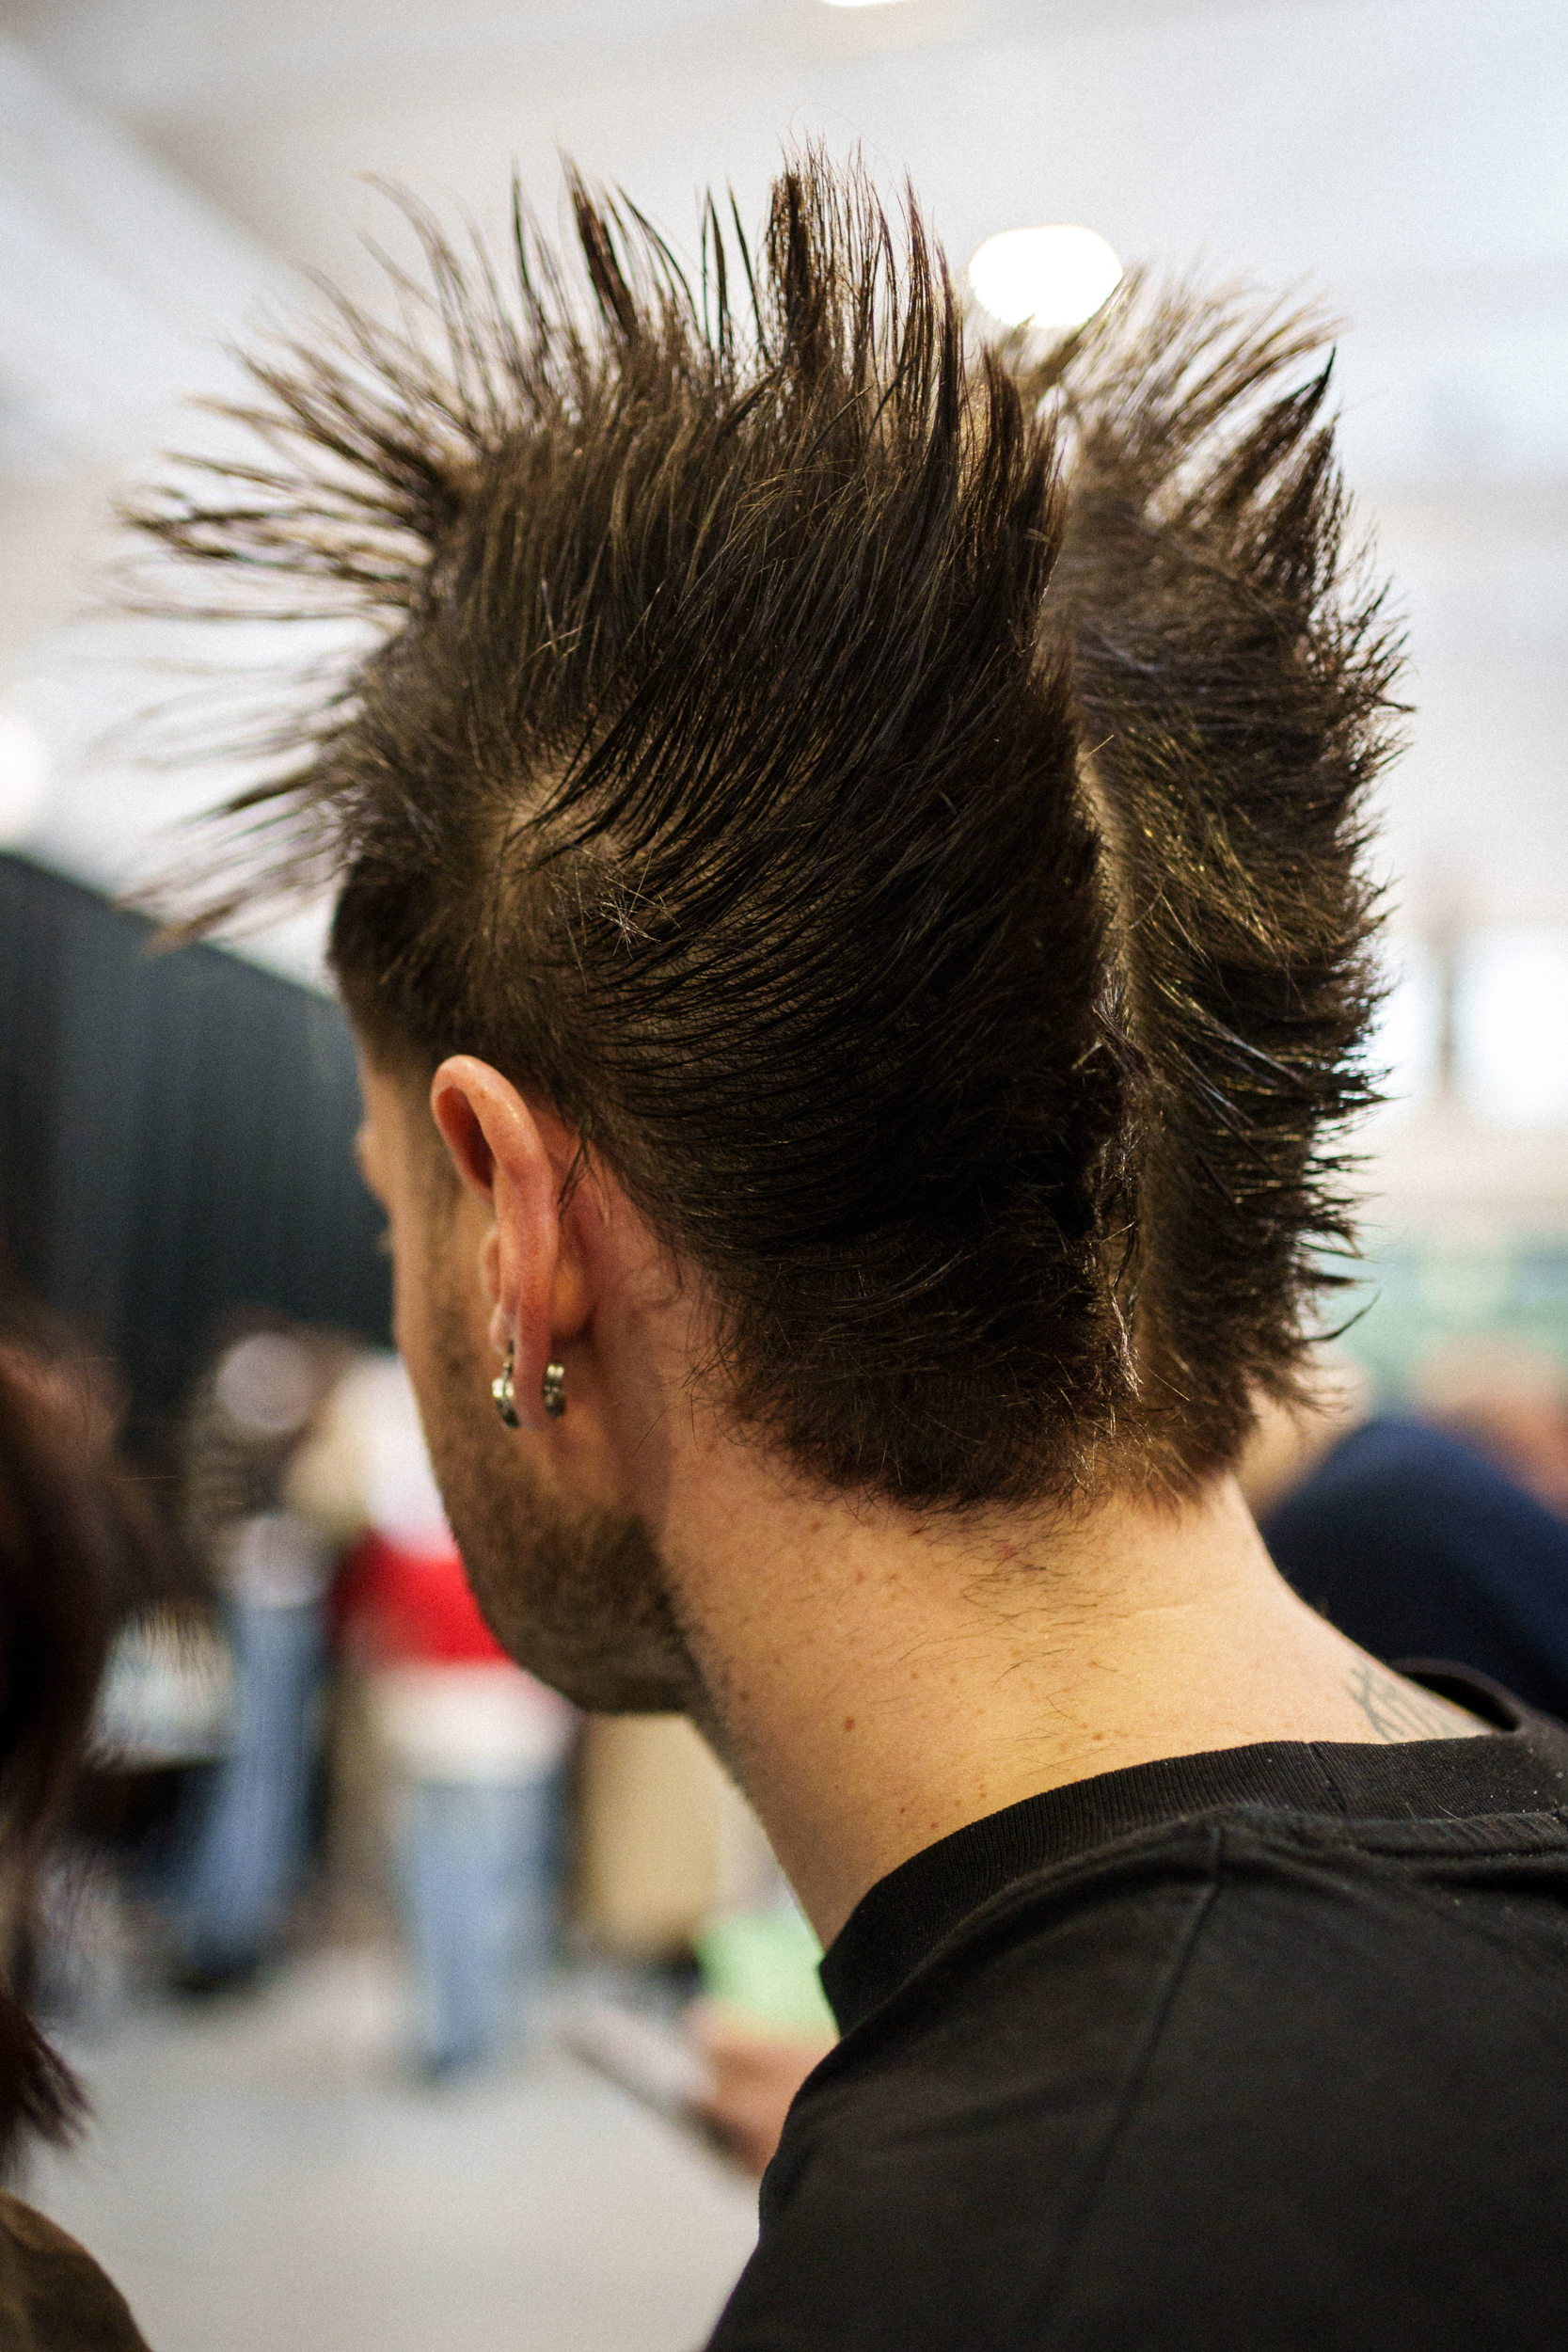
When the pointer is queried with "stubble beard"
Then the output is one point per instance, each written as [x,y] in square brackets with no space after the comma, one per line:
[575,1592]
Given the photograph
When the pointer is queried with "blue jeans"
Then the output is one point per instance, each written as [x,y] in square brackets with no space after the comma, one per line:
[249,1843]
[475,1870]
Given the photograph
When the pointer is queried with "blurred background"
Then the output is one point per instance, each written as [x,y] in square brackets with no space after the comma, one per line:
[317,2124]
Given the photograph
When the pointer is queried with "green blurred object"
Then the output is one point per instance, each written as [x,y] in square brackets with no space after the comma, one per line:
[1428,1290]
[763,1965]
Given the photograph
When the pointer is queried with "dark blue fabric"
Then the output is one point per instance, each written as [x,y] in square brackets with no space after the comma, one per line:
[1416,1546]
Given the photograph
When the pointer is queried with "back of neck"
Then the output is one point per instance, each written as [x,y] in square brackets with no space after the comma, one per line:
[877,1680]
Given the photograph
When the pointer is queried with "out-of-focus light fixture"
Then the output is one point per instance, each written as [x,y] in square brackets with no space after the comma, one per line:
[1049,278]
[858,4]
[24,774]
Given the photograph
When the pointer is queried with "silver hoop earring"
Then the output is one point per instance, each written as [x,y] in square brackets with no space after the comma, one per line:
[504,1392]
[552,1390]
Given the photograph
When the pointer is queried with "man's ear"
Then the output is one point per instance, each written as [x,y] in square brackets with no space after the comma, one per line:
[514,1161]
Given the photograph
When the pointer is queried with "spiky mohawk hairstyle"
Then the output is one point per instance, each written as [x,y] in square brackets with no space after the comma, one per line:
[902,807]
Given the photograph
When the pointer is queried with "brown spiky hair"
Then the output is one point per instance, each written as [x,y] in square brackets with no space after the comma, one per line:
[899,800]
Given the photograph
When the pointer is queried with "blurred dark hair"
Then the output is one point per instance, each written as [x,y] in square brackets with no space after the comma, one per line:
[900,801]
[62,1544]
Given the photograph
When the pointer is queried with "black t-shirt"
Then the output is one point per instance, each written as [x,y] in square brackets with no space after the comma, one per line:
[1250,2051]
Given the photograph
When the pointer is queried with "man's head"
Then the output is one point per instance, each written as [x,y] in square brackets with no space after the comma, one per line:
[886,815]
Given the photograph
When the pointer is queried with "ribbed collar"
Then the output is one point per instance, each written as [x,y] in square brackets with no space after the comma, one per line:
[906,1915]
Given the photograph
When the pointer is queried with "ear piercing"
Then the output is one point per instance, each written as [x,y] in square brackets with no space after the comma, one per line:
[552,1389]
[504,1392]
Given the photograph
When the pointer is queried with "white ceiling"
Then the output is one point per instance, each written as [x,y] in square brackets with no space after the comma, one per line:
[1407,157]
[163,163]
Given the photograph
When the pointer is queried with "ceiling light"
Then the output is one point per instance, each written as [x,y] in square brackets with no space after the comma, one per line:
[858,4]
[1051,277]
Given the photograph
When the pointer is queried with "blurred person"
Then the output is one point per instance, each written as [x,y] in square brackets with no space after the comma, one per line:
[160,1703]
[67,1543]
[272,1565]
[163,1715]
[1411,1540]
[849,896]
[475,1746]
